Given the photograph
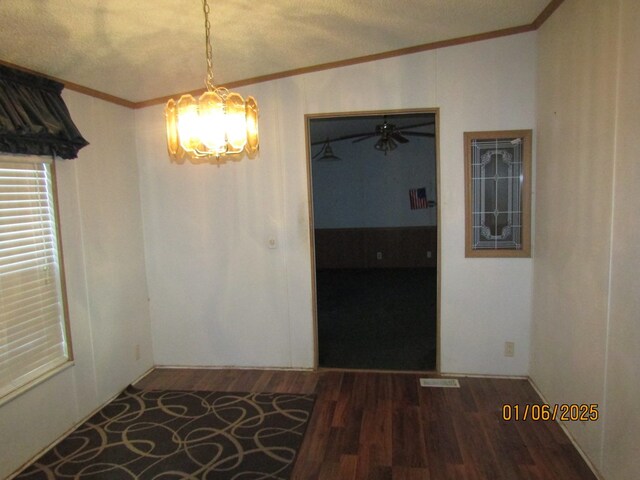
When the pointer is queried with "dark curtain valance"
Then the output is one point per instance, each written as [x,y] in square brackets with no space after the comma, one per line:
[33,117]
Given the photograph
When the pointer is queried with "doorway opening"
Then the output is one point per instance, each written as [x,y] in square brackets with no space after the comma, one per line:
[374,211]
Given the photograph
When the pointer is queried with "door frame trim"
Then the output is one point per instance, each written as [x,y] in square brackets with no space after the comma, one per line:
[312,245]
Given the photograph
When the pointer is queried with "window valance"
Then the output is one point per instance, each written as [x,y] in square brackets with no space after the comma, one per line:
[34,119]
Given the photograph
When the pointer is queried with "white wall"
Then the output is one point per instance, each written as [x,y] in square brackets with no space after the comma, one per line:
[621,436]
[106,285]
[220,296]
[368,189]
[586,336]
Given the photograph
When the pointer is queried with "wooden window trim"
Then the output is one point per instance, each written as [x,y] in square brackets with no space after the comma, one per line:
[525,251]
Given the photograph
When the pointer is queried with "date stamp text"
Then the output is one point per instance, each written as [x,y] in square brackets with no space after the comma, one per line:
[565,412]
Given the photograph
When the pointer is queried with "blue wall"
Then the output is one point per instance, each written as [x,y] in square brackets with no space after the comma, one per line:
[368,189]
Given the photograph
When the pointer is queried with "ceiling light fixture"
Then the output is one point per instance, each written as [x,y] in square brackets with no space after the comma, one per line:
[385,144]
[326,153]
[217,124]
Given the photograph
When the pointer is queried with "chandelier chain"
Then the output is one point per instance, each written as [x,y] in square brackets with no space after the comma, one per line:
[207,27]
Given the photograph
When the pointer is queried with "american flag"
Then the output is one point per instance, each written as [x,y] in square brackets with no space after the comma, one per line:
[418,198]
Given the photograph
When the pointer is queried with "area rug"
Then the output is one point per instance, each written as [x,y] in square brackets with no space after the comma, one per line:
[167,435]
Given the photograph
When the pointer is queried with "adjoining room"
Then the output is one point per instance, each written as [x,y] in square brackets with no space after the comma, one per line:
[373,178]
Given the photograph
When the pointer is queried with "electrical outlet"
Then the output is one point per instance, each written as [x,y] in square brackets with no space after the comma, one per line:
[429,254]
[509,349]
[379,255]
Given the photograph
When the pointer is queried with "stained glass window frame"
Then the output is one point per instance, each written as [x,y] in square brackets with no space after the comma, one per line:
[498,193]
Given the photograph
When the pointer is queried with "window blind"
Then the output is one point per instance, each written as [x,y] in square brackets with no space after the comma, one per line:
[33,339]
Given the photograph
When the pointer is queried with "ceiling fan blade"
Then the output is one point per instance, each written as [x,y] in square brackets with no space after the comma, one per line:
[416,125]
[364,136]
[399,138]
[344,137]
[371,135]
[419,134]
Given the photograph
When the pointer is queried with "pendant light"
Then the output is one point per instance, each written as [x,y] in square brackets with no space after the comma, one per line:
[217,124]
[326,153]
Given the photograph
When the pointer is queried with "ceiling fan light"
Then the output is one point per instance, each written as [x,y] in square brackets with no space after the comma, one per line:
[327,153]
[329,158]
[385,144]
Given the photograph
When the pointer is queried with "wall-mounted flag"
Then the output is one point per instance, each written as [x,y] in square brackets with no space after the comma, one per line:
[418,198]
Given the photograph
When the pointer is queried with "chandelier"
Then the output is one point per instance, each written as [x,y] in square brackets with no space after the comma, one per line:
[217,124]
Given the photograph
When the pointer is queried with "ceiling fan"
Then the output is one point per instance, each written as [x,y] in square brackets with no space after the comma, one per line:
[388,135]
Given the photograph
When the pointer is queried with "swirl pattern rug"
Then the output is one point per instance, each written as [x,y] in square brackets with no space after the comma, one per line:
[168,435]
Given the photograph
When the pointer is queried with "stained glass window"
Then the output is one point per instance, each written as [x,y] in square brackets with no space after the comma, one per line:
[497,193]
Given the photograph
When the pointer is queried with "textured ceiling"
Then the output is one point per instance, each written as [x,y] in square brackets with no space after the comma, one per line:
[143,49]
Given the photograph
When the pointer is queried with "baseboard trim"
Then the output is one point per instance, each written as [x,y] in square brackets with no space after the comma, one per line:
[230,367]
[432,373]
[151,369]
[71,429]
[485,375]
[571,438]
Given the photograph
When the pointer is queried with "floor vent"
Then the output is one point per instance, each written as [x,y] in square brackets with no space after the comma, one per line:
[440,382]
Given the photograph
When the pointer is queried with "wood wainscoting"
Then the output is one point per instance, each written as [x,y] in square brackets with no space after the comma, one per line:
[399,247]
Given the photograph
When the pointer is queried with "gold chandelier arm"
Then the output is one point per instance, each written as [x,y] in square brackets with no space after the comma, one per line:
[222,91]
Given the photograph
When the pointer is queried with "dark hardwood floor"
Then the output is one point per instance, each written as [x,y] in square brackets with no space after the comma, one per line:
[384,426]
